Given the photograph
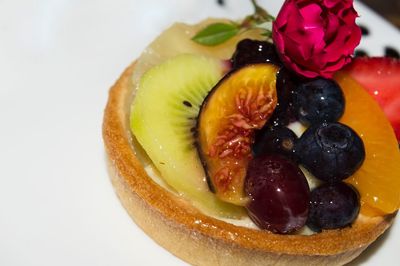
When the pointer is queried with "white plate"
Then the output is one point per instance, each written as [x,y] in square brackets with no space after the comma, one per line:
[57,62]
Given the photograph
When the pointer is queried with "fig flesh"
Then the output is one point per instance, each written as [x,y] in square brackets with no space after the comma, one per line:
[239,104]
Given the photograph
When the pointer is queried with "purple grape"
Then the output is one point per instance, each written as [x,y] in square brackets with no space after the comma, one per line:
[333,206]
[279,194]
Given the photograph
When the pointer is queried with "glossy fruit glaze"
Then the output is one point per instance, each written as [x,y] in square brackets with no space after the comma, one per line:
[333,206]
[319,100]
[253,51]
[378,179]
[238,105]
[330,151]
[279,194]
[380,76]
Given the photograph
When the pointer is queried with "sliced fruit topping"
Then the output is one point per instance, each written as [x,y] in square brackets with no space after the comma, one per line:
[378,179]
[163,116]
[381,77]
[275,140]
[238,105]
[254,51]
[333,206]
[319,100]
[330,151]
[279,194]
[177,40]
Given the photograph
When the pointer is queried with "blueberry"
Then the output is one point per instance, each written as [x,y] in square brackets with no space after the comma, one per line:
[319,100]
[252,51]
[275,140]
[333,206]
[331,152]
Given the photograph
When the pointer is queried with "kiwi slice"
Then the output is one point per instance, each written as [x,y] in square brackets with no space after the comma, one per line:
[163,120]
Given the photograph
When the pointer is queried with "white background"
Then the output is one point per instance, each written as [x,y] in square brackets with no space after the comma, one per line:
[57,62]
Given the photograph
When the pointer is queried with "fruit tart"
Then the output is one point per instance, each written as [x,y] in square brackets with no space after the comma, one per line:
[251,142]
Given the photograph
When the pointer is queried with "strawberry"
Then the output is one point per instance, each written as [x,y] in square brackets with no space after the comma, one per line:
[380,76]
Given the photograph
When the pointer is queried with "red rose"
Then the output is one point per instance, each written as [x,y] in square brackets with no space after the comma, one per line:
[316,37]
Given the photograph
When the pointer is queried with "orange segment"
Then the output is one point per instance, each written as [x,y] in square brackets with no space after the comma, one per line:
[370,211]
[378,179]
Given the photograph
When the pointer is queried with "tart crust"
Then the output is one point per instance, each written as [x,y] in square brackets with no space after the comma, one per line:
[202,240]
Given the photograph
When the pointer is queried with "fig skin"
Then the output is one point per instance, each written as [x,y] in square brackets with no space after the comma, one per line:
[240,103]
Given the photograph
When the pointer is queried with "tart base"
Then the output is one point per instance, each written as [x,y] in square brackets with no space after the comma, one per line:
[202,240]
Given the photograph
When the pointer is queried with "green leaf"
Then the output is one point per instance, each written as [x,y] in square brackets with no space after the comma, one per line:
[267,33]
[260,14]
[216,33]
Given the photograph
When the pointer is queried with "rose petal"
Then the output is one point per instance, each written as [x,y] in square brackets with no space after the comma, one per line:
[330,69]
[278,40]
[294,49]
[288,8]
[331,3]
[331,27]
[294,20]
[316,37]
[311,15]
[354,39]
[347,16]
[339,5]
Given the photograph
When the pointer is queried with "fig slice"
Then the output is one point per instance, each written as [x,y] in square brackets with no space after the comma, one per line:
[235,108]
